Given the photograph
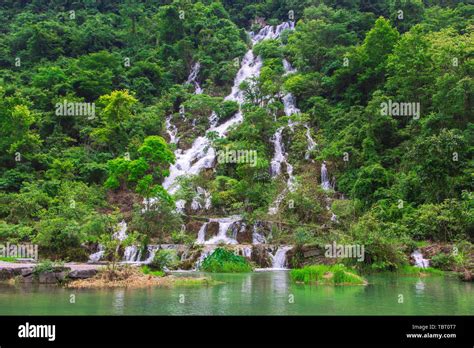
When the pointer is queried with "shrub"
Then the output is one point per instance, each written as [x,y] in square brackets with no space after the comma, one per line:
[224,261]
[443,261]
[164,258]
[326,275]
[46,266]
[147,270]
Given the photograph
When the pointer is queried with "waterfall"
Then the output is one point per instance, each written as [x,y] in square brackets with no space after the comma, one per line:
[279,259]
[172,130]
[325,184]
[257,237]
[247,251]
[201,155]
[193,76]
[121,234]
[132,254]
[419,260]
[201,200]
[311,143]
[225,224]
[95,257]
[278,157]
[202,234]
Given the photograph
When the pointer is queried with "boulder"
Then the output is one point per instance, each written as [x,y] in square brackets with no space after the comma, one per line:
[82,273]
[212,230]
[244,236]
[261,256]
[11,272]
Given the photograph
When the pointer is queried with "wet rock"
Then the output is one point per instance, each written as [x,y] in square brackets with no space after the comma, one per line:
[11,272]
[307,255]
[244,236]
[25,272]
[212,230]
[261,256]
[82,273]
[51,277]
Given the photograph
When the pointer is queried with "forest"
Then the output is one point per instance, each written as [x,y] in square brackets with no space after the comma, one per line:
[98,103]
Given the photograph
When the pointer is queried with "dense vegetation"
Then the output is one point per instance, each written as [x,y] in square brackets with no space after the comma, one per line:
[225,261]
[326,275]
[66,181]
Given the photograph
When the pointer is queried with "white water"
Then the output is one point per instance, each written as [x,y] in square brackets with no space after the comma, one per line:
[419,260]
[131,254]
[279,259]
[121,234]
[172,130]
[257,237]
[325,183]
[222,237]
[201,200]
[201,155]
[95,257]
[192,78]
[311,143]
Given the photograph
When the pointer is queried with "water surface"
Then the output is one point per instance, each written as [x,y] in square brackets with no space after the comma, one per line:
[258,293]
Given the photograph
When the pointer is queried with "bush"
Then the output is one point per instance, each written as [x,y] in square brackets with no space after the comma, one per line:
[224,261]
[147,270]
[46,266]
[443,261]
[164,258]
[327,275]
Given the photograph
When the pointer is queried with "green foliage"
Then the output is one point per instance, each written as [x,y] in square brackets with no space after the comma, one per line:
[224,261]
[148,271]
[326,275]
[442,261]
[164,259]
[46,266]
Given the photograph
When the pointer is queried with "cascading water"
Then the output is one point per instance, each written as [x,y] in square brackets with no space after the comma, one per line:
[419,260]
[279,259]
[222,237]
[120,235]
[201,200]
[325,183]
[132,254]
[95,257]
[201,155]
[311,143]
[257,237]
[172,130]
[192,78]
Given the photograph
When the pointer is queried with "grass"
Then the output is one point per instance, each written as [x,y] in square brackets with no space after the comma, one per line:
[224,261]
[148,271]
[326,275]
[195,282]
[8,259]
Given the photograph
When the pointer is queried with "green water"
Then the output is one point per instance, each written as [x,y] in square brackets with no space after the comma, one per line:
[260,293]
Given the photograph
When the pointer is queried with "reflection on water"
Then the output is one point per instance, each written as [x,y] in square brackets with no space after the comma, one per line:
[118,301]
[420,287]
[259,293]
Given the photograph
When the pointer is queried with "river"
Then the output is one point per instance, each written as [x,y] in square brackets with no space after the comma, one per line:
[258,293]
